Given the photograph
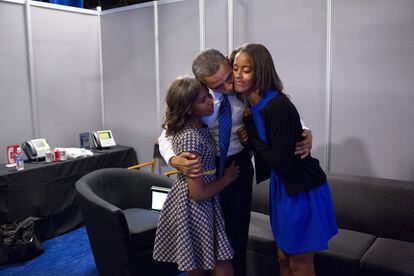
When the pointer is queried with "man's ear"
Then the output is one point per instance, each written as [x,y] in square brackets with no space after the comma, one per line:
[228,61]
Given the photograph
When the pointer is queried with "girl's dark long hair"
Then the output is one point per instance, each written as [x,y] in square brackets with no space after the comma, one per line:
[263,67]
[181,94]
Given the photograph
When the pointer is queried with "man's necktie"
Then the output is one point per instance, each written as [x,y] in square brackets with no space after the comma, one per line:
[224,119]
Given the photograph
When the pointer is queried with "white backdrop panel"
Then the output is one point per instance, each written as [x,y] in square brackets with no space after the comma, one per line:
[129,79]
[294,33]
[216,24]
[67,74]
[15,119]
[373,69]
[179,42]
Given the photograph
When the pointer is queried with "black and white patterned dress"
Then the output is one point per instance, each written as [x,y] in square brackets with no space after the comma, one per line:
[192,234]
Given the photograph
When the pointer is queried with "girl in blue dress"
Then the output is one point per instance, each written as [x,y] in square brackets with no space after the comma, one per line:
[301,209]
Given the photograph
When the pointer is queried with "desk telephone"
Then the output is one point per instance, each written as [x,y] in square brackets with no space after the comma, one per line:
[103,139]
[35,149]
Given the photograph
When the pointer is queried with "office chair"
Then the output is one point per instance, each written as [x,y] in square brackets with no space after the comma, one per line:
[115,204]
[156,159]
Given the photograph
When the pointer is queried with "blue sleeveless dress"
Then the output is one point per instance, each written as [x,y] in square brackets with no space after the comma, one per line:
[303,222]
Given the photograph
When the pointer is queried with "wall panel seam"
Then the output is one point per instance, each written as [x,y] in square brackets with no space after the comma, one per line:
[328,87]
[202,20]
[32,72]
[230,26]
[157,66]
[101,68]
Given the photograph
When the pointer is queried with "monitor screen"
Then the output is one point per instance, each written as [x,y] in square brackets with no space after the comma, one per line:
[158,197]
[38,143]
[104,135]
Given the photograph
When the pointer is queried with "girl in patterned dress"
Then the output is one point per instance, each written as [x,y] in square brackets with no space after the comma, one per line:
[301,208]
[191,229]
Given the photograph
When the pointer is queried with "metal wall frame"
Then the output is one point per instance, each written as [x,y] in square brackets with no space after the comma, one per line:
[230,43]
[328,86]
[31,59]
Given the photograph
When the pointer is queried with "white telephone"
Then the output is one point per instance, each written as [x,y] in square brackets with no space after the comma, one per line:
[103,139]
[35,149]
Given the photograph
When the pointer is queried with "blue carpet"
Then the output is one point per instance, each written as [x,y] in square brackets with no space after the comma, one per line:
[68,254]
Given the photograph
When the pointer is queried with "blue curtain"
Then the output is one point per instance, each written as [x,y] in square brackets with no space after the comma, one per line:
[73,3]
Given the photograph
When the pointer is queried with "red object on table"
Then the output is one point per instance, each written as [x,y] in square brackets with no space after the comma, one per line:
[56,154]
[11,154]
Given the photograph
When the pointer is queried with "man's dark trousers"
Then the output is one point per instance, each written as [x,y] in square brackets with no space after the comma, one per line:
[236,201]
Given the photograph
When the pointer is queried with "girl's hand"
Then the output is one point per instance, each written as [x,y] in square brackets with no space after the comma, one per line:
[242,134]
[247,112]
[232,172]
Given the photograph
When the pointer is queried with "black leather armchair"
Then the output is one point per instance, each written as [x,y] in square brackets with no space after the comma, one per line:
[115,204]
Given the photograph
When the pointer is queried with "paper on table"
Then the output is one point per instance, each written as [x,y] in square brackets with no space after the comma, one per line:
[73,153]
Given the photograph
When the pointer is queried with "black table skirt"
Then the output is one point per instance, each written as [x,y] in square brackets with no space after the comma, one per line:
[47,190]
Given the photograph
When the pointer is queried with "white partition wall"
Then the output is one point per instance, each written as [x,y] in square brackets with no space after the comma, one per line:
[179,41]
[15,107]
[295,34]
[65,47]
[347,65]
[129,82]
[216,25]
[372,88]
[49,80]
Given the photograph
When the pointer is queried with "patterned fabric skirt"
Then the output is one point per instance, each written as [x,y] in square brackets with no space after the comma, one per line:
[191,234]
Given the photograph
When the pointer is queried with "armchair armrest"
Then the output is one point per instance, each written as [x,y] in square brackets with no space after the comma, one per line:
[169,173]
[141,165]
[86,192]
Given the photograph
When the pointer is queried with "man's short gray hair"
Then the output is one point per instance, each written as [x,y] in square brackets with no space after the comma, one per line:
[207,63]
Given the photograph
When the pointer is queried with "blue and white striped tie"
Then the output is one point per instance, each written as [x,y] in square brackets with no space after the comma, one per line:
[224,119]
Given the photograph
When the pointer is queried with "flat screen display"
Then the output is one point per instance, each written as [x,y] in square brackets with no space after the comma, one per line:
[38,144]
[104,135]
[158,197]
